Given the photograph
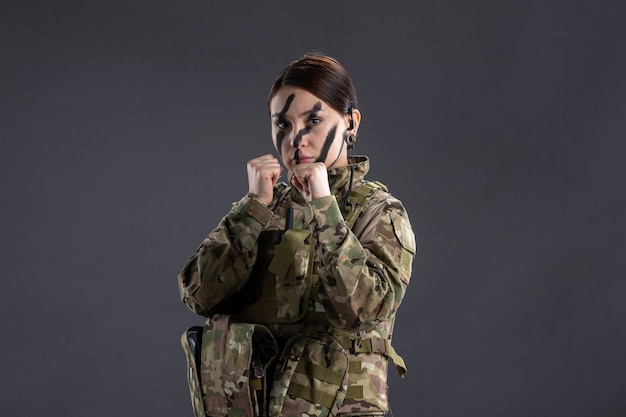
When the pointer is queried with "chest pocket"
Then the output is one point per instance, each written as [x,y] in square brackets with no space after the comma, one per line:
[281,279]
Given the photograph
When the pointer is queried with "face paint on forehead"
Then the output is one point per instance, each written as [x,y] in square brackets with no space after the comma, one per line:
[317,107]
[330,138]
[281,115]
[285,109]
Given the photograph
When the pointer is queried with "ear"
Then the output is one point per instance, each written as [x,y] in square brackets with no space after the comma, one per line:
[356,120]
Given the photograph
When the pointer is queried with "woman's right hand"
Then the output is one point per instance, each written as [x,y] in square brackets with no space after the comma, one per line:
[263,174]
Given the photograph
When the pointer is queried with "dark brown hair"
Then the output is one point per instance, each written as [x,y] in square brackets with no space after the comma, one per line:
[322,76]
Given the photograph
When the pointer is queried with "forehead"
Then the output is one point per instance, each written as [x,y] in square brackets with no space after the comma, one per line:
[302,101]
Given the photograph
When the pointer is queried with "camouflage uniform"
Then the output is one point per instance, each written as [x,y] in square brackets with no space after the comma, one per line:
[327,293]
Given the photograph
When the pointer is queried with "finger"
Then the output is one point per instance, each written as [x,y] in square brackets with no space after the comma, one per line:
[276,175]
[267,166]
[296,183]
[264,159]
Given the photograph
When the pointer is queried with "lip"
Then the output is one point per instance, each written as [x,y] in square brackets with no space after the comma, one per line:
[303,159]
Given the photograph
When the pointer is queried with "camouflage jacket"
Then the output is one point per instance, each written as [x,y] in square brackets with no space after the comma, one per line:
[338,283]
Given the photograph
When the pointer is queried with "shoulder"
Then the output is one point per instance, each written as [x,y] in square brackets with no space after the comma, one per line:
[385,215]
[380,200]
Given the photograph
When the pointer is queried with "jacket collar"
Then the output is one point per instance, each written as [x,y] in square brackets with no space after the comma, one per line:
[339,178]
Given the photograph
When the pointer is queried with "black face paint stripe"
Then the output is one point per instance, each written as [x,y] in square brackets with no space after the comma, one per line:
[279,142]
[316,108]
[285,109]
[298,139]
[330,138]
[312,113]
[281,115]
[343,143]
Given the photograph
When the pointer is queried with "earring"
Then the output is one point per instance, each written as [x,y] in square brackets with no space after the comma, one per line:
[351,140]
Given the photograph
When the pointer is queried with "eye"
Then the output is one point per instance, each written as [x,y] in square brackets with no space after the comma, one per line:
[282,124]
[315,120]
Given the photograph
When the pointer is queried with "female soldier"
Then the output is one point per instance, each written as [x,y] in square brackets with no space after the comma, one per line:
[300,282]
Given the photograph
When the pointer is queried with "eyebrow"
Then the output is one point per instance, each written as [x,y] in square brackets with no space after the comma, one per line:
[316,109]
[312,111]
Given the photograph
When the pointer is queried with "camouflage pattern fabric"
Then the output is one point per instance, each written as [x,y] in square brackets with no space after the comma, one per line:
[340,282]
[225,384]
[313,381]
[193,370]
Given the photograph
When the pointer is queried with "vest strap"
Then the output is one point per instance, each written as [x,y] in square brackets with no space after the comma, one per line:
[355,366]
[310,394]
[373,345]
[357,199]
[354,392]
[320,372]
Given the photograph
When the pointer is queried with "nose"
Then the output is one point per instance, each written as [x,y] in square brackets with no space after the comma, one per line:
[299,138]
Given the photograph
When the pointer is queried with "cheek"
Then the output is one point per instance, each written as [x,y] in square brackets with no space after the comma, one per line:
[278,137]
[328,144]
[334,139]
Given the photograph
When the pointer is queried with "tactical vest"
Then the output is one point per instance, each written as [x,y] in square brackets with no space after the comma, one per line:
[284,284]
[284,289]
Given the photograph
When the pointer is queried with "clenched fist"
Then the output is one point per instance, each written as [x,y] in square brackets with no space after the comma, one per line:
[311,179]
[263,174]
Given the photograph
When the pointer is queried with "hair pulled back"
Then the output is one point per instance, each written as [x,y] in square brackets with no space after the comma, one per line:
[322,76]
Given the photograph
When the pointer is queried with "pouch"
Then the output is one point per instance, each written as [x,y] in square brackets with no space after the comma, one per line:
[222,376]
[312,378]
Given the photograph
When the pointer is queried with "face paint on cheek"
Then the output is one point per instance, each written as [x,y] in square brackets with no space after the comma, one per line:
[281,115]
[280,136]
[330,138]
[343,142]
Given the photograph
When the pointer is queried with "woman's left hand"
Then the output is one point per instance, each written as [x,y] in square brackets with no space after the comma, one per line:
[311,179]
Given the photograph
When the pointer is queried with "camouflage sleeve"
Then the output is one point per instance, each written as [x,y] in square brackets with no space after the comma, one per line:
[222,263]
[365,280]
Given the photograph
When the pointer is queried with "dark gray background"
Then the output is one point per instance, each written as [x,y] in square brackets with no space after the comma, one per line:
[126,126]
